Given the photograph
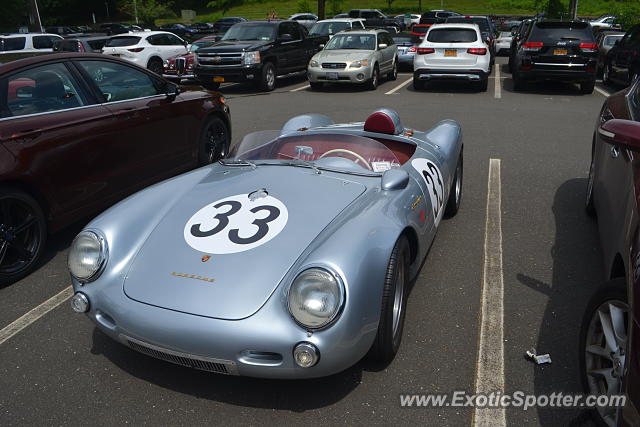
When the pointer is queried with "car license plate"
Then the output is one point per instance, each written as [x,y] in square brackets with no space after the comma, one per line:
[218,79]
[451,52]
[332,76]
[560,51]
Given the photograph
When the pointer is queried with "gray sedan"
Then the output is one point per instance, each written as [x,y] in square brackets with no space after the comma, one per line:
[360,56]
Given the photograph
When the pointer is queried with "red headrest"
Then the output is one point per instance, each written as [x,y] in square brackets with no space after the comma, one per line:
[380,122]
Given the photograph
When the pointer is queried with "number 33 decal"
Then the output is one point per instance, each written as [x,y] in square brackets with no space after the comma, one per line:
[235,224]
[435,185]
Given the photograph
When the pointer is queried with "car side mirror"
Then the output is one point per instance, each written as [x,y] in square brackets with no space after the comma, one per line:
[171,90]
[285,38]
[382,46]
[625,133]
[394,179]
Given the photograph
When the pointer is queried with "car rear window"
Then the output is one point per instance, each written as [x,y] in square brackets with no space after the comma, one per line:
[420,30]
[12,43]
[122,41]
[452,35]
[405,39]
[553,31]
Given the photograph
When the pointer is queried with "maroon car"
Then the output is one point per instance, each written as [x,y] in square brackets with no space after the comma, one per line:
[78,132]
[610,333]
[181,66]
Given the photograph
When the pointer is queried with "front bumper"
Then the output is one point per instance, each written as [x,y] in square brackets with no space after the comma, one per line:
[168,75]
[448,74]
[343,75]
[258,346]
[233,74]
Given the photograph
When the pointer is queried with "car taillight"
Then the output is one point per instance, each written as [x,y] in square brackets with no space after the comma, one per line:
[477,51]
[80,47]
[589,47]
[136,50]
[412,49]
[532,46]
[425,50]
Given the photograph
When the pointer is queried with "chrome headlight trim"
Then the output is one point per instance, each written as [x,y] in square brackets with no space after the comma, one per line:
[103,254]
[341,302]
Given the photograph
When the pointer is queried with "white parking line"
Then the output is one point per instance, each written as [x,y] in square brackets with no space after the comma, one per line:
[498,88]
[602,91]
[490,360]
[300,88]
[400,86]
[33,315]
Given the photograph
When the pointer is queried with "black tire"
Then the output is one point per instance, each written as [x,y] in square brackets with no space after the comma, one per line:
[389,336]
[23,234]
[483,84]
[518,82]
[214,141]
[606,74]
[418,84]
[375,78]
[316,85]
[589,205]
[268,78]
[455,192]
[210,85]
[613,292]
[155,65]
[393,75]
[587,87]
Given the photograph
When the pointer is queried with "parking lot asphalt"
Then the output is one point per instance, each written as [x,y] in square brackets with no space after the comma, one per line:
[62,370]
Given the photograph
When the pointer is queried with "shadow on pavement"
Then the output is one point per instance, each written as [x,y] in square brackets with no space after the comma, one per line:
[577,271]
[291,395]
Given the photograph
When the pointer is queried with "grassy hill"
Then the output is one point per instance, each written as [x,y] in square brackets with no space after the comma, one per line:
[285,8]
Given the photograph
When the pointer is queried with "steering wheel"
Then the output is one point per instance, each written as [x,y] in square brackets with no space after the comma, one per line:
[356,155]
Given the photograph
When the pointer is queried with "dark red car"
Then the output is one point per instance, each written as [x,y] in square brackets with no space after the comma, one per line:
[78,132]
[610,333]
[181,66]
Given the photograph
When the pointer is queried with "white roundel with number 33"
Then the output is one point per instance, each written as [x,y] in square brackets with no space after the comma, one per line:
[235,224]
[435,185]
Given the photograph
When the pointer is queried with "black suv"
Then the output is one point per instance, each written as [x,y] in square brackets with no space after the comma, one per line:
[373,18]
[557,50]
[623,60]
[439,15]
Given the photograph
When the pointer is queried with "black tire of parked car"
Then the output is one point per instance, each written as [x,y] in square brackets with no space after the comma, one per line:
[210,85]
[606,74]
[316,85]
[155,65]
[393,75]
[587,87]
[455,193]
[483,84]
[23,234]
[375,78]
[394,304]
[614,291]
[518,82]
[418,84]
[268,78]
[214,141]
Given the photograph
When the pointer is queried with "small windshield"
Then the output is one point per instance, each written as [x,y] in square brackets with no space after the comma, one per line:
[122,41]
[264,32]
[325,28]
[336,152]
[197,45]
[352,41]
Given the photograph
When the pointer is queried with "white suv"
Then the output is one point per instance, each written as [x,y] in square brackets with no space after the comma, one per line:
[29,42]
[452,51]
[148,49]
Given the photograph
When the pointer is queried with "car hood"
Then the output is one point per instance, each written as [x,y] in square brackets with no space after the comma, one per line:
[343,55]
[234,46]
[170,273]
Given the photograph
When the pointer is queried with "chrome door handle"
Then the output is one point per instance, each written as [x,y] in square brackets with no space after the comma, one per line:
[615,151]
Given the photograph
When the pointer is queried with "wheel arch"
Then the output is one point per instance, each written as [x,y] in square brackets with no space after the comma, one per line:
[153,57]
[618,269]
[414,245]
[34,192]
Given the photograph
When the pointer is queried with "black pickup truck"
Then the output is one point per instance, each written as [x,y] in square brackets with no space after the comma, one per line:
[257,51]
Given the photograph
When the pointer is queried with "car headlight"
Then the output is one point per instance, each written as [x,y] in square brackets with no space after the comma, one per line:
[316,297]
[87,256]
[361,63]
[251,58]
[313,63]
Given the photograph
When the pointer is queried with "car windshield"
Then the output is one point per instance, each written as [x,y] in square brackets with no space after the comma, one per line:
[264,32]
[418,29]
[352,41]
[324,28]
[122,41]
[322,151]
[504,34]
[452,35]
[197,45]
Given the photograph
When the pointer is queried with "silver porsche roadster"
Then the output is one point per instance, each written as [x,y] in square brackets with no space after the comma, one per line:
[292,258]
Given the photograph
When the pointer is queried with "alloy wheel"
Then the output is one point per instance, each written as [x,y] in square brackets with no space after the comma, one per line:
[216,141]
[20,235]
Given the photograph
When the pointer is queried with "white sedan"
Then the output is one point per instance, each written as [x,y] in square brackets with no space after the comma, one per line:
[452,52]
[148,49]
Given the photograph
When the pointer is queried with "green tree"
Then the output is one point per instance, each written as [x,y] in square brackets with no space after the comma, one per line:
[303,6]
[148,10]
[225,5]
